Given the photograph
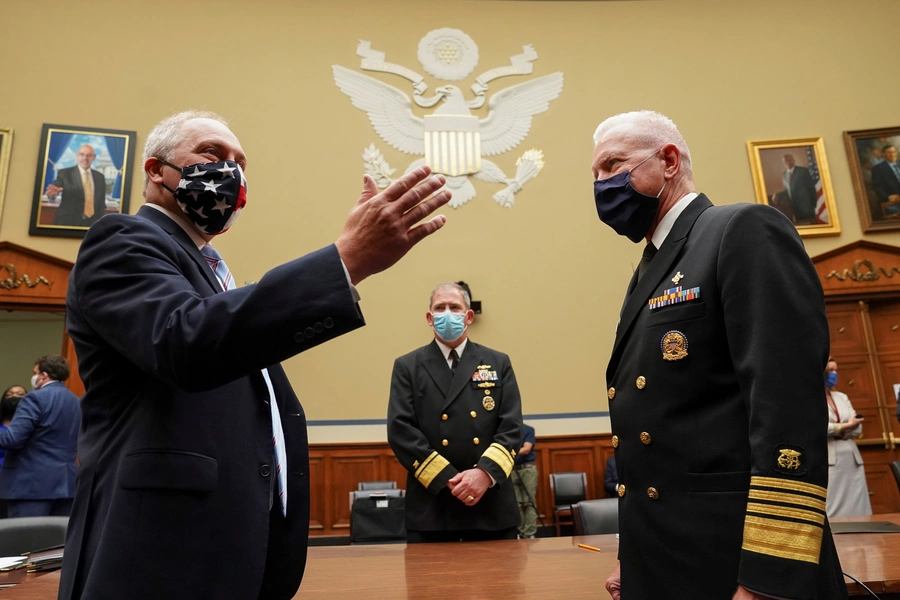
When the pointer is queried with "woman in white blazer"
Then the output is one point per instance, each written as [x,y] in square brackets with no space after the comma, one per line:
[848,494]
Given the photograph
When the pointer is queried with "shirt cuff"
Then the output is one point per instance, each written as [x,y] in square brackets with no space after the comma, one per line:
[353,291]
[493,481]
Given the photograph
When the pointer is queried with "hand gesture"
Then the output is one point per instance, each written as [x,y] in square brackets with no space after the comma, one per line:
[382,228]
[471,483]
[52,191]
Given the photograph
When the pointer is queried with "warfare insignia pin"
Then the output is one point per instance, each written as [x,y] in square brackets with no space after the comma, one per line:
[677,278]
[790,459]
[488,403]
[486,385]
[480,367]
[674,345]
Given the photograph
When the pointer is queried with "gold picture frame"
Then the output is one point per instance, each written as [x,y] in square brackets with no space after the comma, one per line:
[6,139]
[792,176]
[875,185]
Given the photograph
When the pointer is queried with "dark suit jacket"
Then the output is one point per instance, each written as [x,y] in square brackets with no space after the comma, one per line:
[176,479]
[740,414]
[610,479]
[40,443]
[884,181]
[440,424]
[802,193]
[71,208]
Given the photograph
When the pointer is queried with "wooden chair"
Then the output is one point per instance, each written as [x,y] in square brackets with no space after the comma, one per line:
[566,489]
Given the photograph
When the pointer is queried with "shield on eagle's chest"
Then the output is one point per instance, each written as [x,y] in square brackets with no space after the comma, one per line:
[452,144]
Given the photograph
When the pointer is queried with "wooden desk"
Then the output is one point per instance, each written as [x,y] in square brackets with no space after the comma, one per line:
[541,569]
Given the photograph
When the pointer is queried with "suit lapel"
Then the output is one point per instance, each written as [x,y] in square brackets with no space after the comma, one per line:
[470,359]
[658,268]
[434,362]
[184,240]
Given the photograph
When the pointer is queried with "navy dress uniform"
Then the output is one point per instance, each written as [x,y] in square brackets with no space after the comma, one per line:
[718,418]
[442,422]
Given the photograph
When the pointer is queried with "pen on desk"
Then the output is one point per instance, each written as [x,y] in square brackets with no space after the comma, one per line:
[591,548]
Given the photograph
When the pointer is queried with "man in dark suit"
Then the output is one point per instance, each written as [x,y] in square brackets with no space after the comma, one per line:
[714,386]
[800,190]
[83,190]
[610,477]
[38,474]
[886,182]
[455,423]
[183,491]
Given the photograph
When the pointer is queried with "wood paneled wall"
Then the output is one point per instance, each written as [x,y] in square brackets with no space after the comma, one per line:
[336,469]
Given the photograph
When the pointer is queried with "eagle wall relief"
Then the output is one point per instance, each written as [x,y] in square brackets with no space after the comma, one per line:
[452,140]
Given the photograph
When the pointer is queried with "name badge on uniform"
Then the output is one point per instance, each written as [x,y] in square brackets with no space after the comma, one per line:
[674,296]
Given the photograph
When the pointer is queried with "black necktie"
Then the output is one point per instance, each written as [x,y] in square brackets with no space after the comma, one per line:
[646,257]
[454,358]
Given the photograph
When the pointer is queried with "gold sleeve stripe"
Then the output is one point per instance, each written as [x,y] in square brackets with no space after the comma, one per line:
[790,513]
[500,455]
[782,539]
[434,464]
[787,498]
[787,484]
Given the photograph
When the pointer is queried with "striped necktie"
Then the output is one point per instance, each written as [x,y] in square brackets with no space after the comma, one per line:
[218,266]
[88,194]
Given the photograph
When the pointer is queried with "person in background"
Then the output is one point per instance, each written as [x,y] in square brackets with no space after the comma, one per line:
[8,403]
[610,478]
[526,479]
[38,474]
[848,494]
[455,424]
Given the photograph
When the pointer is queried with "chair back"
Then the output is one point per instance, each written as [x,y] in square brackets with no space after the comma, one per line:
[27,534]
[596,517]
[895,469]
[356,494]
[568,488]
[377,485]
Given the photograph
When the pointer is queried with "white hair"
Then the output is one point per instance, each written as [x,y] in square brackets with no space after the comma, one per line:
[163,139]
[650,129]
[465,295]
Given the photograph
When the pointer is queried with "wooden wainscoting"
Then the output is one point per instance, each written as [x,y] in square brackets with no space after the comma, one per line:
[336,469]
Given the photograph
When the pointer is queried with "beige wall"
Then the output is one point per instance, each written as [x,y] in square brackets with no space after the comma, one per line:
[550,275]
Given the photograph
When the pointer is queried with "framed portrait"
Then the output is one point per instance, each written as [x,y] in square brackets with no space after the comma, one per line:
[876,176]
[6,138]
[792,176]
[83,173]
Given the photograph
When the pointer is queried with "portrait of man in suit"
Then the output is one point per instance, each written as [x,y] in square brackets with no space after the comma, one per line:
[799,191]
[886,182]
[83,191]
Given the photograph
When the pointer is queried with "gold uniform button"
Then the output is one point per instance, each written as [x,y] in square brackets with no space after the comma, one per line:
[445,443]
[611,393]
[621,490]
[645,438]
[474,414]
[653,493]
[475,441]
[444,417]
[615,441]
[641,382]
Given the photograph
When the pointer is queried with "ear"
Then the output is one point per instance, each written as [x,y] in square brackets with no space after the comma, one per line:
[470,316]
[154,169]
[672,156]
[430,318]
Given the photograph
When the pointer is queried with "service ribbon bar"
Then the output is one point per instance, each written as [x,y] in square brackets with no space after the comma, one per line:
[674,296]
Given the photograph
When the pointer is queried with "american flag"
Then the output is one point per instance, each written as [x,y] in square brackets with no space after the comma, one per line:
[821,211]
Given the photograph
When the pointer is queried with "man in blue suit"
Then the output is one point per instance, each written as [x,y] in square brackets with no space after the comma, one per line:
[38,474]
[194,463]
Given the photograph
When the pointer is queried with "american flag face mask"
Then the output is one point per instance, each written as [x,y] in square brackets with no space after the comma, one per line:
[210,194]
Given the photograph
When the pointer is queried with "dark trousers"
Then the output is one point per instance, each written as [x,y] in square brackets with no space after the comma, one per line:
[461,535]
[59,507]
[277,559]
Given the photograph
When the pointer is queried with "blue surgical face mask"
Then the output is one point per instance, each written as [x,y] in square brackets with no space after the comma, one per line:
[449,325]
[626,210]
[831,379]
